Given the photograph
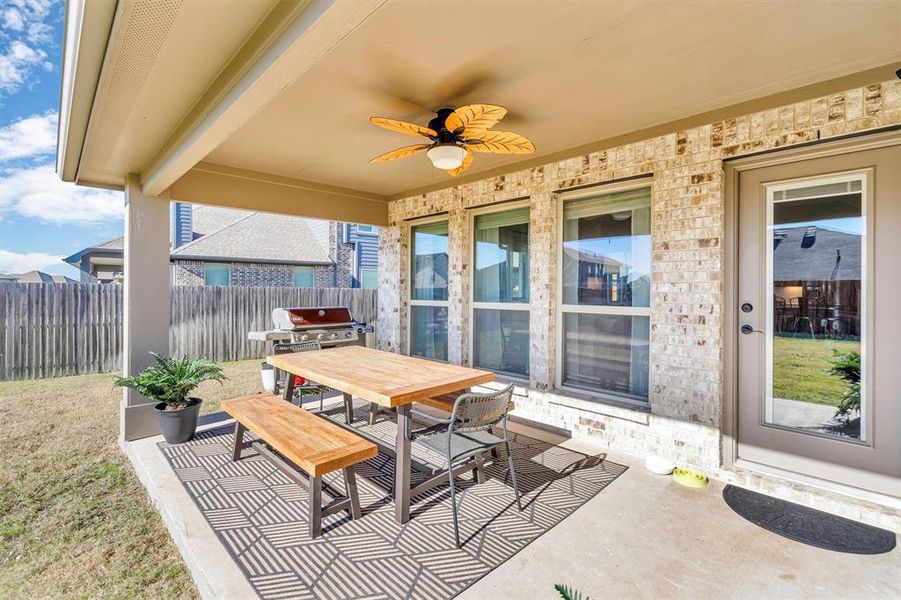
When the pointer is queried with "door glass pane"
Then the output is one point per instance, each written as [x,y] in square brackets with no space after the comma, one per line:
[815,261]
[428,331]
[607,249]
[606,353]
[502,257]
[501,341]
[429,273]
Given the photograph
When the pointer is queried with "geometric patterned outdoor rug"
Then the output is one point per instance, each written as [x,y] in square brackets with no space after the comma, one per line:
[261,518]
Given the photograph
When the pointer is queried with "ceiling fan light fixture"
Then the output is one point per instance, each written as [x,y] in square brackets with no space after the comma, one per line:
[446,156]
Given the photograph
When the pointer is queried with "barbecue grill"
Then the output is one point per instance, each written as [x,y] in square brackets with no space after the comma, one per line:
[331,326]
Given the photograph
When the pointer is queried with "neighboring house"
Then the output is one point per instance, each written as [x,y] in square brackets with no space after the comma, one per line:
[223,246]
[34,277]
[816,274]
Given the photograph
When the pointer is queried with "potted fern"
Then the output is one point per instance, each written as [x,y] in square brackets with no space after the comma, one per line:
[169,381]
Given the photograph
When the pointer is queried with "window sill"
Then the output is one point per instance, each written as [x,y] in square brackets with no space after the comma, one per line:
[599,405]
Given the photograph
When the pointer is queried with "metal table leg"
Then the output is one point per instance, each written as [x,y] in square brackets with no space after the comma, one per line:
[348,408]
[402,466]
[288,387]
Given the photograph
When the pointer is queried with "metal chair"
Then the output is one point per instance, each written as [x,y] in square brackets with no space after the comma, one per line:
[799,306]
[467,434]
[292,348]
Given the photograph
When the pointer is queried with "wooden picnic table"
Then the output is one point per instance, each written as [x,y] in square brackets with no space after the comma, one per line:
[390,380]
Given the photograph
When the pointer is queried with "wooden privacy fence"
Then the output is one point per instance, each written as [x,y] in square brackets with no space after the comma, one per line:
[57,329]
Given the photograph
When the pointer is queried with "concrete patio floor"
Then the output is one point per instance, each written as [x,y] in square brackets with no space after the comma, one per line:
[641,537]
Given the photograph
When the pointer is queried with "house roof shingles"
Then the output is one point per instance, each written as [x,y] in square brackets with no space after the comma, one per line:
[260,236]
[826,255]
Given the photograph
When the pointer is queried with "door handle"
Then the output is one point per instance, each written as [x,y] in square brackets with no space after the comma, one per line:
[747,330]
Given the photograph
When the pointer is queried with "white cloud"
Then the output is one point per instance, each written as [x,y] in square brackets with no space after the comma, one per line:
[40,33]
[13,19]
[17,262]
[16,64]
[24,25]
[38,193]
[29,137]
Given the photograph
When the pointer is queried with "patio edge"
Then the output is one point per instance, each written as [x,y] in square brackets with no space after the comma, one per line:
[212,569]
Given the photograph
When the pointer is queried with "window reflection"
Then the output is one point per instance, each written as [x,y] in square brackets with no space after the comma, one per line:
[429,276]
[607,250]
[816,257]
[500,289]
[606,266]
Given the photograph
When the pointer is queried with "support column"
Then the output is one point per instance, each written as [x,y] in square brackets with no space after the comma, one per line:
[542,290]
[393,286]
[458,284]
[146,292]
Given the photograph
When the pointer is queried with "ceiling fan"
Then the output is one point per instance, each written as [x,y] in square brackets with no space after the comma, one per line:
[455,134]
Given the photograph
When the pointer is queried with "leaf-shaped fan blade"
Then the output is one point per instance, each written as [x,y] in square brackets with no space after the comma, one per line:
[403,127]
[400,153]
[476,117]
[467,160]
[502,142]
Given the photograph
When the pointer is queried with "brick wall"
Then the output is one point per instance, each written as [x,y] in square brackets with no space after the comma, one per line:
[189,272]
[343,257]
[683,420]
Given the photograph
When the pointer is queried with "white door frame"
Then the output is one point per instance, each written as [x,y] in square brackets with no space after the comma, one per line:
[732,170]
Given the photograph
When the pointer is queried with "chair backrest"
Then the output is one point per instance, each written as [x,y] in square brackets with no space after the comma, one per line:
[475,412]
[296,347]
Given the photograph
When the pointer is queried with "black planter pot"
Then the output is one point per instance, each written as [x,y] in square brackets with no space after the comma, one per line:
[178,426]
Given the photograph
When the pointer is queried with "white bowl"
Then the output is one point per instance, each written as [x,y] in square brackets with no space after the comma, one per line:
[659,465]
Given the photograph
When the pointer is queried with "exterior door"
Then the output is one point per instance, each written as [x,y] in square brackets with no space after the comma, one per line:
[819,310]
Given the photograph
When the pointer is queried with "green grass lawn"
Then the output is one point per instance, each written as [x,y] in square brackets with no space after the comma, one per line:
[74,520]
[801,369]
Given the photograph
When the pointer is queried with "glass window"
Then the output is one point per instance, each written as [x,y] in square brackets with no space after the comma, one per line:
[216,274]
[606,293]
[502,257]
[304,277]
[367,228]
[501,340]
[816,279]
[428,291]
[428,331]
[606,353]
[500,330]
[429,277]
[607,249]
[369,278]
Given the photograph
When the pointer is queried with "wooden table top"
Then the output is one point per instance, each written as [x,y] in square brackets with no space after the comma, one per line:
[385,378]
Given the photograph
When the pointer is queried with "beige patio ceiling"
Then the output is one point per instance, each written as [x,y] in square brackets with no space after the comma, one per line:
[276,96]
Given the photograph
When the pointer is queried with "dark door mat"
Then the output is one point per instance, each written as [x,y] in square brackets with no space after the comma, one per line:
[807,525]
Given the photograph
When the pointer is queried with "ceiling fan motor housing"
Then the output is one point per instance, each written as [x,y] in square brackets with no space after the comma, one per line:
[437,124]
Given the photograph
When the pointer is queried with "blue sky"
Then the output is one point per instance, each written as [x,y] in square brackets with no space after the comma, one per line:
[41,218]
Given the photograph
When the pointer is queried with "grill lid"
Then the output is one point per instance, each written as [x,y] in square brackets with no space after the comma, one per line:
[288,319]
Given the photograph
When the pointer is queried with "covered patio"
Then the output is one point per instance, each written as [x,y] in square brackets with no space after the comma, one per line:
[599,274]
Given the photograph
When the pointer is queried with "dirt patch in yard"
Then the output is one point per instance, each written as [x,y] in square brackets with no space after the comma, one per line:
[75,520]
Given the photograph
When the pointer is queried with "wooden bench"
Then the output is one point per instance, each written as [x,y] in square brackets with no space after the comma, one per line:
[308,442]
